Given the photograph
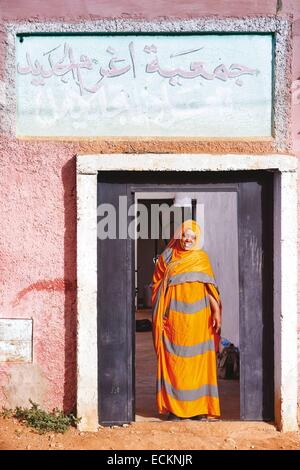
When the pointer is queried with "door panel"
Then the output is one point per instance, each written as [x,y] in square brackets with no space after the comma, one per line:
[256,305]
[115,376]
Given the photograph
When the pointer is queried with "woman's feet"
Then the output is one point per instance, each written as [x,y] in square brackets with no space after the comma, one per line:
[205,418]
[172,417]
[200,418]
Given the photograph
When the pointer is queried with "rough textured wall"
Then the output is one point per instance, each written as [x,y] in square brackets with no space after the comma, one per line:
[37,253]
[37,199]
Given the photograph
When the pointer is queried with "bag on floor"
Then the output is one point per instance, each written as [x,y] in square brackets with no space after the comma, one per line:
[228,363]
[143,325]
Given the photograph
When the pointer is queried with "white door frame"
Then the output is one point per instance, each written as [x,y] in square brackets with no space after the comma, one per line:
[285,266]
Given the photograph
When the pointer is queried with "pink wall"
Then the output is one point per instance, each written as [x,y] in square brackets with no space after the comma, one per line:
[37,246]
[37,203]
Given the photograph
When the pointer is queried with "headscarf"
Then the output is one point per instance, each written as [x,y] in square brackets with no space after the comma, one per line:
[176,260]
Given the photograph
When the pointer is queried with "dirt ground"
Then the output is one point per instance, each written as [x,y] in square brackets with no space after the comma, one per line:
[163,435]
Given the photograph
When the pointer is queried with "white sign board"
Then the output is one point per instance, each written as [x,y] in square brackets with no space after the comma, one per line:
[145,85]
[15,340]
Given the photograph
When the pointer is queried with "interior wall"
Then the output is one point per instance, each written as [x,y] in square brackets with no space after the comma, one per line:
[217,217]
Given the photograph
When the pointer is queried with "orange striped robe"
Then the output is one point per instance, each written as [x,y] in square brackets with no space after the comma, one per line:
[184,340]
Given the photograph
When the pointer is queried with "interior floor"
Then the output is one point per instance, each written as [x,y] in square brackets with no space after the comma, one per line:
[145,363]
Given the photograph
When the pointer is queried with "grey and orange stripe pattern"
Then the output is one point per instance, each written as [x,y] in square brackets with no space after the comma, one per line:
[186,375]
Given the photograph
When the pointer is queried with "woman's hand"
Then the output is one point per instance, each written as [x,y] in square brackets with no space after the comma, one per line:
[216,321]
[215,313]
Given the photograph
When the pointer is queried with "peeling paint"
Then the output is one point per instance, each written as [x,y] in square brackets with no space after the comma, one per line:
[15,340]
[25,381]
[255,252]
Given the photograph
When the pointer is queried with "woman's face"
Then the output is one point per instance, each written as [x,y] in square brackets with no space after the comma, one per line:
[188,239]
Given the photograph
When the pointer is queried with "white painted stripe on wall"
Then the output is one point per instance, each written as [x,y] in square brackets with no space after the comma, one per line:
[87,356]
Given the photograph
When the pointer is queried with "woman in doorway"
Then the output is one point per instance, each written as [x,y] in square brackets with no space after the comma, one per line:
[186,326]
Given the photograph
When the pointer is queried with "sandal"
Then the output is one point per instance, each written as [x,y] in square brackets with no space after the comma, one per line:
[213,418]
[172,417]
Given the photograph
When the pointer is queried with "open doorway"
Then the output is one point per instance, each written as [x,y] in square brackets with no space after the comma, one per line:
[268,339]
[248,195]
[224,257]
